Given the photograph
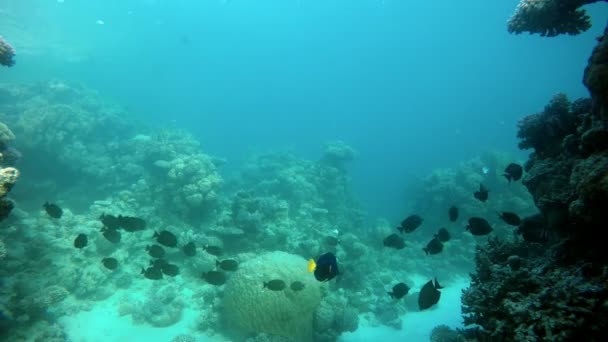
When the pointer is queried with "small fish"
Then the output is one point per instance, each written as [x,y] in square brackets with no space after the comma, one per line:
[443,235]
[433,247]
[429,295]
[399,291]
[227,265]
[482,194]
[110,234]
[479,226]
[110,221]
[131,224]
[166,238]
[213,250]
[155,251]
[513,172]
[325,268]
[394,241]
[81,241]
[297,286]
[332,240]
[510,218]
[189,249]
[152,273]
[53,210]
[275,285]
[534,229]
[158,263]
[110,263]
[410,223]
[170,269]
[216,278]
[453,213]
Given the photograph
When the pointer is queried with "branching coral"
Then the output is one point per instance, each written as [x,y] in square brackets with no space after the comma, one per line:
[540,300]
[7,53]
[550,17]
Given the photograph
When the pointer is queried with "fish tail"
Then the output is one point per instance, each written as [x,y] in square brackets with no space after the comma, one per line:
[311,265]
[155,234]
[217,263]
[426,251]
[391,294]
[265,285]
[143,271]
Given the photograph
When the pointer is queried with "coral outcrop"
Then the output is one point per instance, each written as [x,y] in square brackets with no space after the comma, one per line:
[596,77]
[7,53]
[249,307]
[550,17]
[8,175]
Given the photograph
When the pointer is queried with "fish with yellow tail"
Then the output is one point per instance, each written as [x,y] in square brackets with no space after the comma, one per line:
[325,268]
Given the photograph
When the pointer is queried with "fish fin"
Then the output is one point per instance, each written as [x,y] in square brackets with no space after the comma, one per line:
[143,271]
[391,294]
[437,286]
[265,285]
[311,265]
[155,235]
[426,250]
[217,263]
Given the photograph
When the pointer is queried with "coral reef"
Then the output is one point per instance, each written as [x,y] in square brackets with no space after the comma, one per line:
[596,76]
[251,308]
[541,300]
[8,175]
[333,317]
[550,17]
[7,53]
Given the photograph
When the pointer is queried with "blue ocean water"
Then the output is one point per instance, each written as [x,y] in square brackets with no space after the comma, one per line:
[412,86]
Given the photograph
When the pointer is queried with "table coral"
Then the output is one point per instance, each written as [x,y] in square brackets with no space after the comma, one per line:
[550,17]
[251,308]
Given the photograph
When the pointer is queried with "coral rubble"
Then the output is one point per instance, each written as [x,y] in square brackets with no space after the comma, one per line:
[550,17]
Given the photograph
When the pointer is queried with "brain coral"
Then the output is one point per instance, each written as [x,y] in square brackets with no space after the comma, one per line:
[249,307]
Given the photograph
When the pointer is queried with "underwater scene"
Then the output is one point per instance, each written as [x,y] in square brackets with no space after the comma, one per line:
[303,170]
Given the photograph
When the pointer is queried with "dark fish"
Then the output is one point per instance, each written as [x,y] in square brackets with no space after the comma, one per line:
[155,251]
[394,241]
[110,221]
[534,229]
[227,265]
[482,194]
[443,235]
[170,269]
[399,291]
[297,286]
[433,247]
[510,218]
[513,172]
[216,278]
[166,238]
[110,263]
[213,250]
[453,213]
[429,295]
[189,249]
[81,241]
[153,273]
[53,210]
[325,268]
[410,223]
[131,224]
[479,226]
[110,234]
[332,240]
[275,285]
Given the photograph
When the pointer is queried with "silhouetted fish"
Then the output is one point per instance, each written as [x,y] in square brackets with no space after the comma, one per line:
[81,241]
[394,241]
[170,269]
[227,265]
[399,291]
[482,194]
[410,223]
[216,278]
[453,213]
[155,251]
[109,221]
[166,238]
[332,240]
[534,229]
[513,172]
[275,285]
[110,263]
[510,218]
[131,224]
[110,234]
[433,247]
[213,250]
[297,286]
[479,226]
[53,210]
[429,295]
[152,273]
